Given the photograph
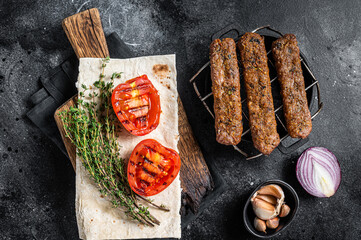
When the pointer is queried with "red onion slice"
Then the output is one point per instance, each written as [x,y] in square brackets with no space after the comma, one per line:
[318,171]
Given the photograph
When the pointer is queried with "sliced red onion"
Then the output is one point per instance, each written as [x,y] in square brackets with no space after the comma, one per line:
[318,171]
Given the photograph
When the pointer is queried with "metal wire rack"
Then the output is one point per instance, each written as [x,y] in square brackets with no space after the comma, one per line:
[247,150]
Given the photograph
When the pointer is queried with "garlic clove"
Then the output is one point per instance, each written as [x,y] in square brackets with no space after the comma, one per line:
[273,190]
[267,201]
[279,205]
[285,210]
[263,209]
[268,198]
[273,223]
[259,225]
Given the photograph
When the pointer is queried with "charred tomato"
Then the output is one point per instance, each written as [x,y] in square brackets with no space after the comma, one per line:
[152,167]
[137,105]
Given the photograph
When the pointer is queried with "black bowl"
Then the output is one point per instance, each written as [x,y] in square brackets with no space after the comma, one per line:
[291,199]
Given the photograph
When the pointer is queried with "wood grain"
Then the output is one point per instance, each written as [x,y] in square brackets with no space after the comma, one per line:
[86,35]
[70,148]
[196,179]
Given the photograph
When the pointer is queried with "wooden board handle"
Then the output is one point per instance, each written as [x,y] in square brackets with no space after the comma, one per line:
[85,33]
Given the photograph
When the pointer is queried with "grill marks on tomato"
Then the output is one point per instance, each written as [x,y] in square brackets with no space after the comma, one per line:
[137,105]
[135,102]
[134,91]
[151,166]
[152,171]
[139,112]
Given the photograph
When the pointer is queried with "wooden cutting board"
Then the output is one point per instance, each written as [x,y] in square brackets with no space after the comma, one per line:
[85,33]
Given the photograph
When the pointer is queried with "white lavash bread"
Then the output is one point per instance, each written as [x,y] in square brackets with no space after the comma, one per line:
[96,217]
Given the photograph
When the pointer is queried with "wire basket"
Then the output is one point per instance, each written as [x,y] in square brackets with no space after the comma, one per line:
[202,84]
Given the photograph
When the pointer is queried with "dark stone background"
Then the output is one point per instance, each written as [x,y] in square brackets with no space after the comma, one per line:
[37,181]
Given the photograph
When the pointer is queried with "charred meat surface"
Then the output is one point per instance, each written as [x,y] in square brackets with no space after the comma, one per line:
[226,91]
[288,64]
[262,118]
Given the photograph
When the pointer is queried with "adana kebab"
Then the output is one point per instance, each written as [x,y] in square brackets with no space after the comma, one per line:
[288,64]
[226,91]
[262,118]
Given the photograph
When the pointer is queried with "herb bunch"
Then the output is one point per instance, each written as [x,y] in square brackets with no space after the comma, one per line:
[90,126]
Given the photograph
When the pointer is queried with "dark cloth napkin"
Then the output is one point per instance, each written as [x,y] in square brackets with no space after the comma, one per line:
[60,86]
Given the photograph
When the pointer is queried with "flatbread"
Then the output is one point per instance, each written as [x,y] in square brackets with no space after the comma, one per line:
[96,217]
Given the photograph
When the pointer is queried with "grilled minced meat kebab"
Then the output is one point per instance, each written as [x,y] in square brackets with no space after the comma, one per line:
[262,118]
[226,91]
[288,64]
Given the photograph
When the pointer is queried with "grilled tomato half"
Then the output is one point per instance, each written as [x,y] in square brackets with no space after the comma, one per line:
[137,105]
[152,167]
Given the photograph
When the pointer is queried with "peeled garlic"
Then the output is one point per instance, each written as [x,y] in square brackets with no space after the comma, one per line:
[267,201]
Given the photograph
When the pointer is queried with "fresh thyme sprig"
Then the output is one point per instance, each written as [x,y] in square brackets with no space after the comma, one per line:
[90,126]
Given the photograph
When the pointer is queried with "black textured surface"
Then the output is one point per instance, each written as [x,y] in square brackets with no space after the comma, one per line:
[37,181]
